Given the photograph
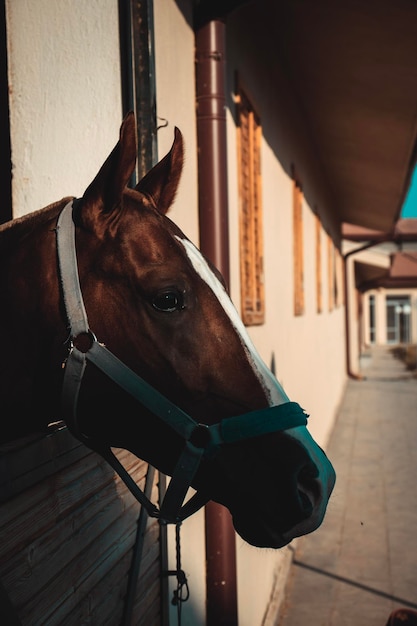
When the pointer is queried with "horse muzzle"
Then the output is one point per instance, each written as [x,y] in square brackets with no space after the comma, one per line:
[273,518]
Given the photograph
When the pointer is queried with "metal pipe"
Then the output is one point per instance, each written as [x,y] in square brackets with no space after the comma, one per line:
[137,52]
[221,583]
[221,576]
[349,371]
[212,149]
[6,212]
[346,256]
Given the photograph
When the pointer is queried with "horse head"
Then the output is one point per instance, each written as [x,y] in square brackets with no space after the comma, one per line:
[159,306]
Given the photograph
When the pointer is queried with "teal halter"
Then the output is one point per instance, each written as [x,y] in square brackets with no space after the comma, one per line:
[200,441]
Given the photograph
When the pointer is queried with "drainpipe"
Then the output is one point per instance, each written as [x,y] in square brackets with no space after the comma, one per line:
[350,372]
[221,582]
[212,148]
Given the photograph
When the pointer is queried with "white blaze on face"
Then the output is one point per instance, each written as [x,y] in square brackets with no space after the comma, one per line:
[273,389]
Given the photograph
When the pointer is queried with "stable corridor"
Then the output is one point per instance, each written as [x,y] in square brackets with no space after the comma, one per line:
[362,563]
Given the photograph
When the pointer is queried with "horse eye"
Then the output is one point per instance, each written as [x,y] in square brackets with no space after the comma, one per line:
[168,301]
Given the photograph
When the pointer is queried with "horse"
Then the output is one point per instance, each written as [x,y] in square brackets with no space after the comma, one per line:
[113,321]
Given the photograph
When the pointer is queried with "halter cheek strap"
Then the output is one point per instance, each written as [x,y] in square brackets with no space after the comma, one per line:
[199,440]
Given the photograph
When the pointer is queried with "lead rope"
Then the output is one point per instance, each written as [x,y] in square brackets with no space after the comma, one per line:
[182,592]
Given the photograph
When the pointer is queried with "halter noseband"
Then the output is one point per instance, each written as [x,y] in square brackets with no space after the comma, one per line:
[200,440]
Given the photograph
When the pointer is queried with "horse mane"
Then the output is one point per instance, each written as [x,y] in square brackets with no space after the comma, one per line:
[13,228]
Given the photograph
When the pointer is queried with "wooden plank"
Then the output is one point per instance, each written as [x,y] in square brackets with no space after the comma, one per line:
[44,489]
[55,498]
[249,137]
[298,247]
[43,541]
[105,602]
[26,568]
[70,535]
[43,506]
[33,459]
[148,610]
[81,575]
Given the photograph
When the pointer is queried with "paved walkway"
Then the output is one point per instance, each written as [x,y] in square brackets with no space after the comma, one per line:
[362,562]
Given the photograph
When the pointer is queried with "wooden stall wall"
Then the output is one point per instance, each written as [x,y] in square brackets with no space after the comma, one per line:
[67,527]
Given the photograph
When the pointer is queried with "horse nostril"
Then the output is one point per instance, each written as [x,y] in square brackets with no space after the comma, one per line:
[306,504]
[309,491]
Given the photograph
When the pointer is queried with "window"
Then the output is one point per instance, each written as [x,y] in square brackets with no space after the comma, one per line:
[298,247]
[250,195]
[398,313]
[372,323]
[330,272]
[319,286]
[340,289]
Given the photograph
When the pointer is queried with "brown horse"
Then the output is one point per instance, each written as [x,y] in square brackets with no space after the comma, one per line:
[176,354]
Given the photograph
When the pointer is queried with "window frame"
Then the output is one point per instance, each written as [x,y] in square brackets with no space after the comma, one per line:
[298,245]
[319,268]
[251,244]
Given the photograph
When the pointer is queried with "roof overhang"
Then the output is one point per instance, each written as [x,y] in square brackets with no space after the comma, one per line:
[403,231]
[368,275]
[353,68]
[401,273]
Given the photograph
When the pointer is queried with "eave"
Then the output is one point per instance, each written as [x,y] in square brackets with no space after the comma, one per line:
[353,68]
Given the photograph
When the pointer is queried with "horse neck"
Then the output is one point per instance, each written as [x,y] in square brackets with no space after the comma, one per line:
[30,309]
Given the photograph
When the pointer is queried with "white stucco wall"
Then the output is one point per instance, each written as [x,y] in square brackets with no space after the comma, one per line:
[175,94]
[65,96]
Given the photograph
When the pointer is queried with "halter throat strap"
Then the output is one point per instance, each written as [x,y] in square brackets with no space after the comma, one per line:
[199,440]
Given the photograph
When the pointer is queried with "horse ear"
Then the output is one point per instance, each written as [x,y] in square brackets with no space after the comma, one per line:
[105,192]
[161,182]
